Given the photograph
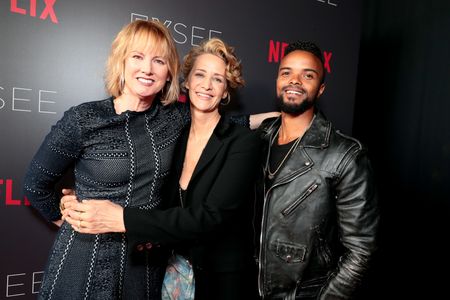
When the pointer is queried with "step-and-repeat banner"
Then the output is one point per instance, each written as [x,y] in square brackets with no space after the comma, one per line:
[53,53]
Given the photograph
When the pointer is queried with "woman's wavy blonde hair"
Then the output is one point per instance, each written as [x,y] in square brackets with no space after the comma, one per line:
[217,47]
[138,35]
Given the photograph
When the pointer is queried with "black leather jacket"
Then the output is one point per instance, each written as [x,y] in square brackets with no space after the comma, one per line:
[319,216]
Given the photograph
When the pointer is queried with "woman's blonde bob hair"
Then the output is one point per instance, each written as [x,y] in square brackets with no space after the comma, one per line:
[138,35]
[218,48]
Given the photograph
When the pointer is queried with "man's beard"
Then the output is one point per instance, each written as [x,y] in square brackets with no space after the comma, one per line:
[295,109]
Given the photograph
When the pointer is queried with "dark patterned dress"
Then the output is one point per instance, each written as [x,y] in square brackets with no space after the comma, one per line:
[124,158]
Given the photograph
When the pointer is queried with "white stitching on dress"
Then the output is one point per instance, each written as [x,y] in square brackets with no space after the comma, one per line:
[91,266]
[127,201]
[157,166]
[58,271]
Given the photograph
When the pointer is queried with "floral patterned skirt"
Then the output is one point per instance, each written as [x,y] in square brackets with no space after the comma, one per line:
[179,282]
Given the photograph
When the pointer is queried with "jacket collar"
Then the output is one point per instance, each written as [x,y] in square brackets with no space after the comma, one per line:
[222,128]
[317,136]
[299,162]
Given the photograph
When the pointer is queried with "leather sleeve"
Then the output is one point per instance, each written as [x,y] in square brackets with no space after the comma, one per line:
[358,219]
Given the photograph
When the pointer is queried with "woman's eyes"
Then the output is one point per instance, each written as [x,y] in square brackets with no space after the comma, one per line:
[160,61]
[215,79]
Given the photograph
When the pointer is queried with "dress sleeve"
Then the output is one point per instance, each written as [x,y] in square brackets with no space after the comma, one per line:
[243,120]
[57,153]
[253,121]
[184,110]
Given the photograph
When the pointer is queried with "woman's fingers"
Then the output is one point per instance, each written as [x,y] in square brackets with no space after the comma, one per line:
[68,192]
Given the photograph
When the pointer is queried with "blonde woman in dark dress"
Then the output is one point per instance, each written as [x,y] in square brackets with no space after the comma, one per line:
[121,149]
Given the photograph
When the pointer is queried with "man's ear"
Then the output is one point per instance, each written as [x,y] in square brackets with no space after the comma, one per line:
[321,90]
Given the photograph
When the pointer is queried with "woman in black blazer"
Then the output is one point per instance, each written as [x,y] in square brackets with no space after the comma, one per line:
[208,215]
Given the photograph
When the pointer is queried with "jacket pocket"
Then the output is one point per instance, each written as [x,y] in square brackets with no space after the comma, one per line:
[288,252]
[288,210]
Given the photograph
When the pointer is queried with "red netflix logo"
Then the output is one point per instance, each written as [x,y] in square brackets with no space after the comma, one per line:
[6,190]
[276,53]
[47,12]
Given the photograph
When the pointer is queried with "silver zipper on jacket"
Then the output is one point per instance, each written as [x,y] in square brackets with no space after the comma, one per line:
[264,213]
[296,203]
[261,244]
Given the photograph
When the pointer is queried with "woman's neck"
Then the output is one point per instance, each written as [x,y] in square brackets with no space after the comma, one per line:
[203,124]
[129,103]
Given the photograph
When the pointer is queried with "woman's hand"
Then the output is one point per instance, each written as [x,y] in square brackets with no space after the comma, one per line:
[95,216]
[67,200]
[257,119]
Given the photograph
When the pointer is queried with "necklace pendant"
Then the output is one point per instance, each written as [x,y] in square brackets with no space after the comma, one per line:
[270,176]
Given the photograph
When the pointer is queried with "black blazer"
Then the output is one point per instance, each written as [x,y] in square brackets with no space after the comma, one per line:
[214,226]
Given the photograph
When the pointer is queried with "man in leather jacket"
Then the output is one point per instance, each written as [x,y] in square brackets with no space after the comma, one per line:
[319,218]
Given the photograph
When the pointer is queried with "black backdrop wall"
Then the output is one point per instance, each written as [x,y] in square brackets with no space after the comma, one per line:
[52,56]
[402,114]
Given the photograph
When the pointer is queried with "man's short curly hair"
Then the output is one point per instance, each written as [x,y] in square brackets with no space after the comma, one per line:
[308,47]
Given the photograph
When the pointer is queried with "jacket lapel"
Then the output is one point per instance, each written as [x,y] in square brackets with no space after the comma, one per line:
[299,162]
[208,154]
[212,147]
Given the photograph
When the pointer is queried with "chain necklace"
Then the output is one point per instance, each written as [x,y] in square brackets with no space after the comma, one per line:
[180,193]
[271,174]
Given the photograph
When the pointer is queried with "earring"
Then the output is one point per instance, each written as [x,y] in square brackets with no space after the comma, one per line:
[121,82]
[228,100]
